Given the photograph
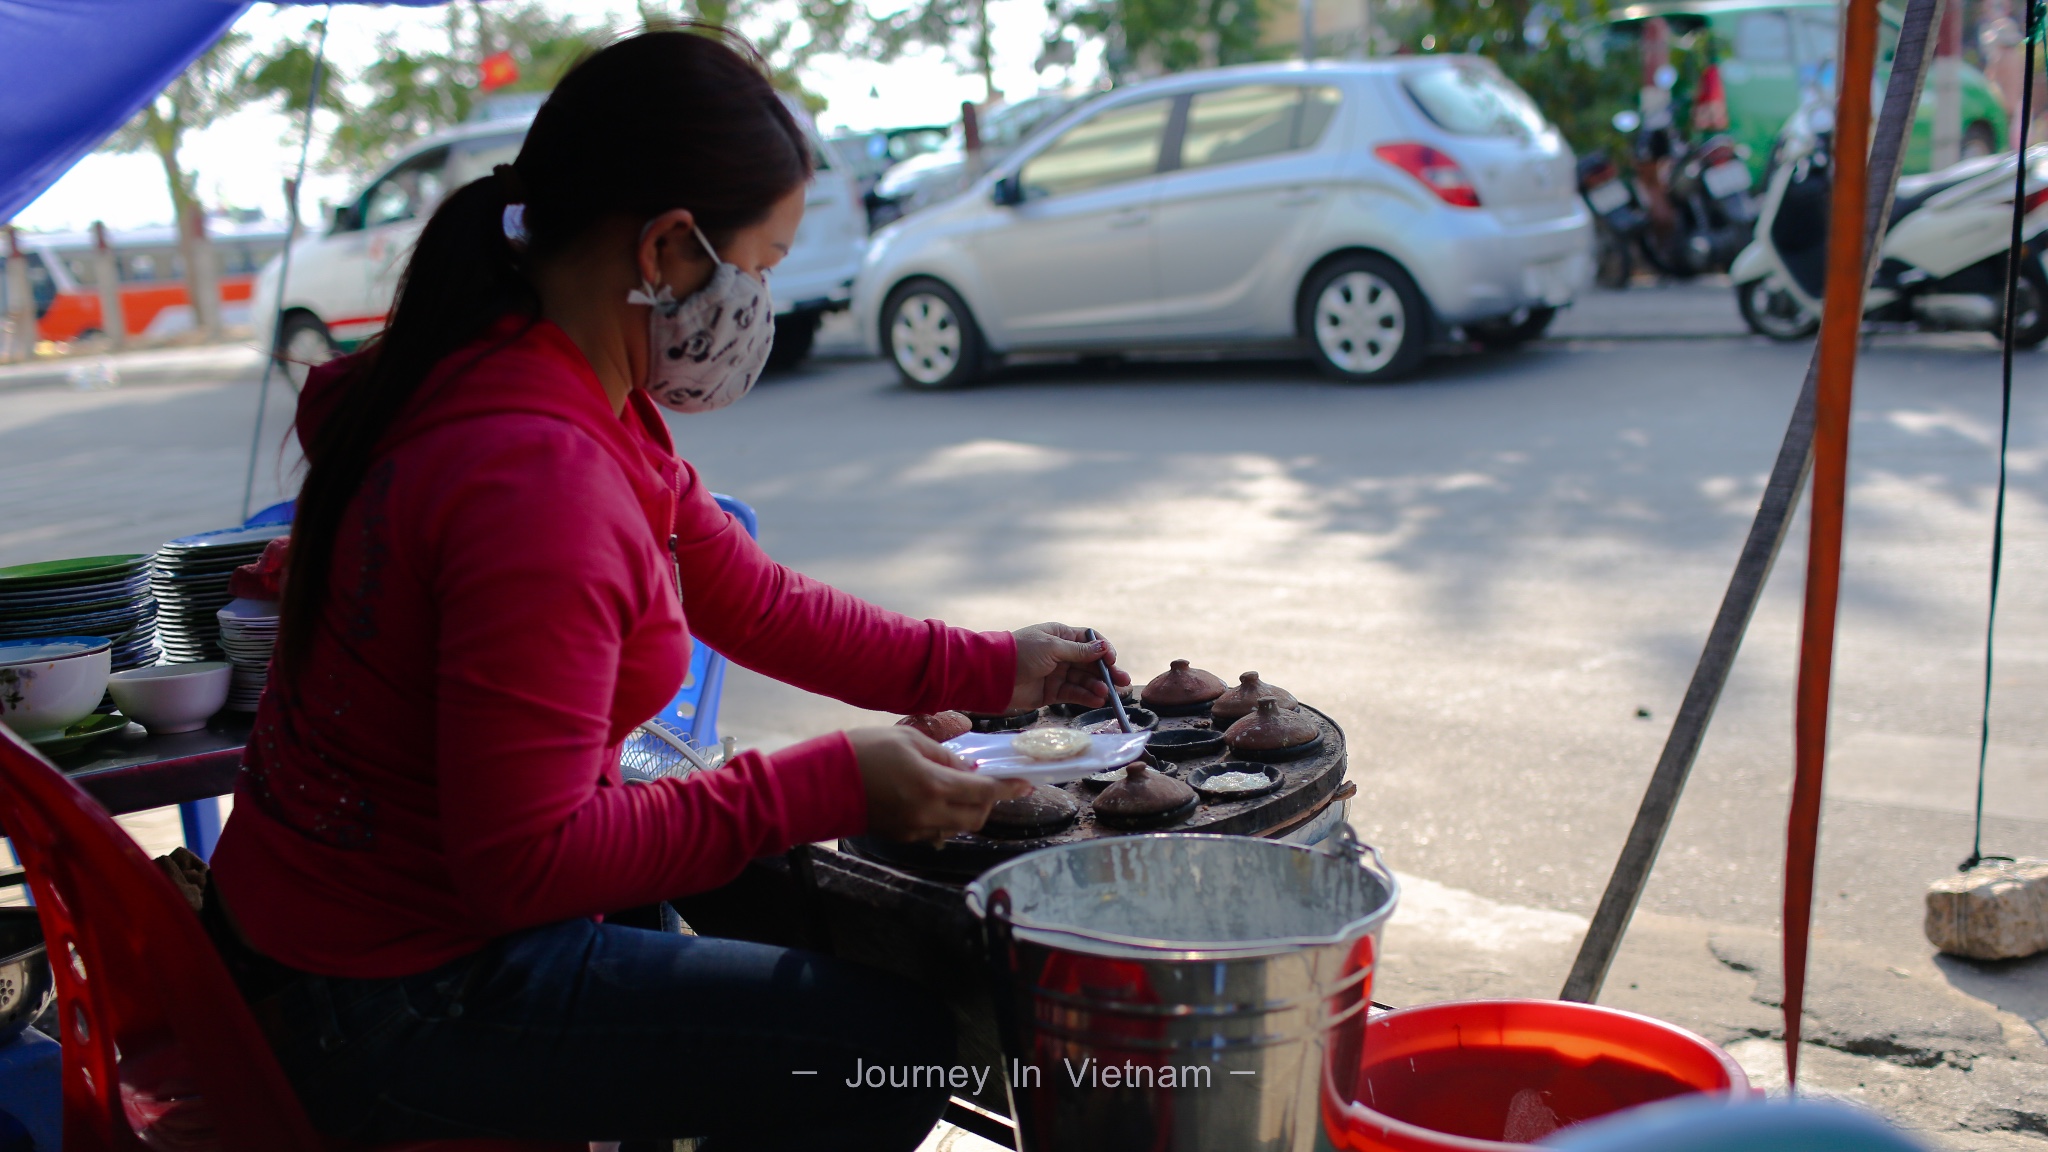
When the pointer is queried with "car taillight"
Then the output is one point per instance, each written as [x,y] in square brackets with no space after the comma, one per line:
[2036,198]
[1439,172]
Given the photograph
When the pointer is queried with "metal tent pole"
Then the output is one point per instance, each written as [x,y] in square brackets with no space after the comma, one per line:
[1841,326]
[284,268]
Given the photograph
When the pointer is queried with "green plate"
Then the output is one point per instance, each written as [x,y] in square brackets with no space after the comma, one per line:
[79,735]
[52,573]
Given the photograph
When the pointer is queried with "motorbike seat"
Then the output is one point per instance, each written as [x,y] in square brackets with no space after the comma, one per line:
[1915,191]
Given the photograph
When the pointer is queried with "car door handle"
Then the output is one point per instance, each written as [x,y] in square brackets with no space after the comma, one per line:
[1131,219]
[1296,197]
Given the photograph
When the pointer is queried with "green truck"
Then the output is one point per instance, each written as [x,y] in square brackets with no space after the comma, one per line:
[1768,52]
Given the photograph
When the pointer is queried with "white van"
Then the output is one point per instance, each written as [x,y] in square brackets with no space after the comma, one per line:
[342,283]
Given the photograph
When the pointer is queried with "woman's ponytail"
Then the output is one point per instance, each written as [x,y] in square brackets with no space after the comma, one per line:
[464,274]
[673,119]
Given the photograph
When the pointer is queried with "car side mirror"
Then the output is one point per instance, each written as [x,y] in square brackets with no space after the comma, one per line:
[1009,192]
[344,219]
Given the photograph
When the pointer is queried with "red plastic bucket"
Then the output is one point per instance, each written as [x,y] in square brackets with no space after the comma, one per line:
[1493,1074]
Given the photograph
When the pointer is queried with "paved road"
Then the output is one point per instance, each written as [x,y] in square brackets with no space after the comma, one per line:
[1488,575]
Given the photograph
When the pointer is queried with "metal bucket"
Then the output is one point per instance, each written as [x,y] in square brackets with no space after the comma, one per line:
[1180,992]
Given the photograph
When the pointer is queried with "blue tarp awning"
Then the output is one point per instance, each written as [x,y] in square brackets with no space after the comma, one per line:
[72,71]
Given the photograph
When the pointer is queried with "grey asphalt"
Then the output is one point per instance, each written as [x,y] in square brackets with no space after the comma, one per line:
[1487,574]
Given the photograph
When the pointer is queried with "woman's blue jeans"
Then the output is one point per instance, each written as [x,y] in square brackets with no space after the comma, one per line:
[589,1031]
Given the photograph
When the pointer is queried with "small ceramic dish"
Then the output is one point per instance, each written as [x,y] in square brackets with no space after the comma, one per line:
[1277,755]
[1002,722]
[172,697]
[76,737]
[1142,720]
[48,685]
[1185,743]
[1233,770]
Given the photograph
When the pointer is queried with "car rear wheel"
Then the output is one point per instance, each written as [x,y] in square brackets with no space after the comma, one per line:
[303,343]
[795,333]
[1365,320]
[931,336]
[1771,311]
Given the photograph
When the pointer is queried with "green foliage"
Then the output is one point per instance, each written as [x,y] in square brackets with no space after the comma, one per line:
[1563,55]
[211,88]
[825,26]
[414,93]
[1148,37]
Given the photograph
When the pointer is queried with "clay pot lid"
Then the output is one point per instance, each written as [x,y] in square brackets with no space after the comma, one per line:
[1244,699]
[1271,727]
[1143,794]
[1045,807]
[940,726]
[1181,684]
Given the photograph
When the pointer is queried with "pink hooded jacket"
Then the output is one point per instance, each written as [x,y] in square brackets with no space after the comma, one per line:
[503,611]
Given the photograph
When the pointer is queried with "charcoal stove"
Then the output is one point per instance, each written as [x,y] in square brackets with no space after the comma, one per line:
[900,907]
[1307,786]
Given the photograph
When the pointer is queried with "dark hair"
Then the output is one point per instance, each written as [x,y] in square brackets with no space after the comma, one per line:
[669,119]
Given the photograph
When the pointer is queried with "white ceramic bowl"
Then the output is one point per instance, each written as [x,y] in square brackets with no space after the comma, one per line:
[49,685]
[172,697]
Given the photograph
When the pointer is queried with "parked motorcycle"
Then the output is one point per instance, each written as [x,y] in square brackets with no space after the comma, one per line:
[1696,195]
[1944,252]
[1618,218]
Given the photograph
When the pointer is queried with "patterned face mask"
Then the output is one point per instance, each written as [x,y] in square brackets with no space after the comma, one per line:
[706,351]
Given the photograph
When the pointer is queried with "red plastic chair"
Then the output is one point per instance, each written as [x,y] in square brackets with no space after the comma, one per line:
[160,1051]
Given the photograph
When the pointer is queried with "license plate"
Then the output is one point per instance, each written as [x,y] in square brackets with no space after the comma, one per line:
[1727,179]
[1607,197]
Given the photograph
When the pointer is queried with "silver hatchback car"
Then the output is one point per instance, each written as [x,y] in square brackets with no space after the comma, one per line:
[1362,210]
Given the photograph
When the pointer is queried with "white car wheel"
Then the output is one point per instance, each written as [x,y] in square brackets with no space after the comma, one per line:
[305,345]
[1360,323]
[927,338]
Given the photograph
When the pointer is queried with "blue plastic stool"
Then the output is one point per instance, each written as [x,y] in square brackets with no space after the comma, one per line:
[695,708]
[31,1090]
[1690,1124]
[278,513]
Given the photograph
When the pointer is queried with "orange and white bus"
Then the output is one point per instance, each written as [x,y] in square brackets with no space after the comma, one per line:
[155,301]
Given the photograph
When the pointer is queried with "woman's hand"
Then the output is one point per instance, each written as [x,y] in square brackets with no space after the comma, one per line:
[1056,665]
[918,790]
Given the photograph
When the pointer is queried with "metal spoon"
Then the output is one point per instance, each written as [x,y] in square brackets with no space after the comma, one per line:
[1109,682]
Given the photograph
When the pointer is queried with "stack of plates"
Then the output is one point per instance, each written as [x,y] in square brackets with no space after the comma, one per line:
[191,583]
[248,632]
[90,596]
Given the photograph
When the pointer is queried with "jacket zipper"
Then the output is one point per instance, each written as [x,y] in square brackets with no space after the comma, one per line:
[675,555]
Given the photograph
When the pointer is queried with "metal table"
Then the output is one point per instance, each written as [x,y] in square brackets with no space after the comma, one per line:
[133,771]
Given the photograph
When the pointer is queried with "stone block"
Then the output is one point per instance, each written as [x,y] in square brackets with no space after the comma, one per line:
[1995,911]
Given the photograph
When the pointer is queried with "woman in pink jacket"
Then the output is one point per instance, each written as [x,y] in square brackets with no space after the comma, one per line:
[499,566]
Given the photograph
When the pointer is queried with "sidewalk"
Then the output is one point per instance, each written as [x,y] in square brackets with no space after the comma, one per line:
[204,364]
[1691,310]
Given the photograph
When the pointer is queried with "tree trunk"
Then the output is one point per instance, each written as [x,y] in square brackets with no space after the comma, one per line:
[202,275]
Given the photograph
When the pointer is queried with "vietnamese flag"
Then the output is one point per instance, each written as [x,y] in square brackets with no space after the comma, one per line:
[499,69]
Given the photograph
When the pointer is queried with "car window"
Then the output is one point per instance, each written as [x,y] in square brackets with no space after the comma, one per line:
[1108,148]
[409,192]
[1008,126]
[145,267]
[1470,100]
[42,287]
[1252,120]
[1763,38]
[474,159]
